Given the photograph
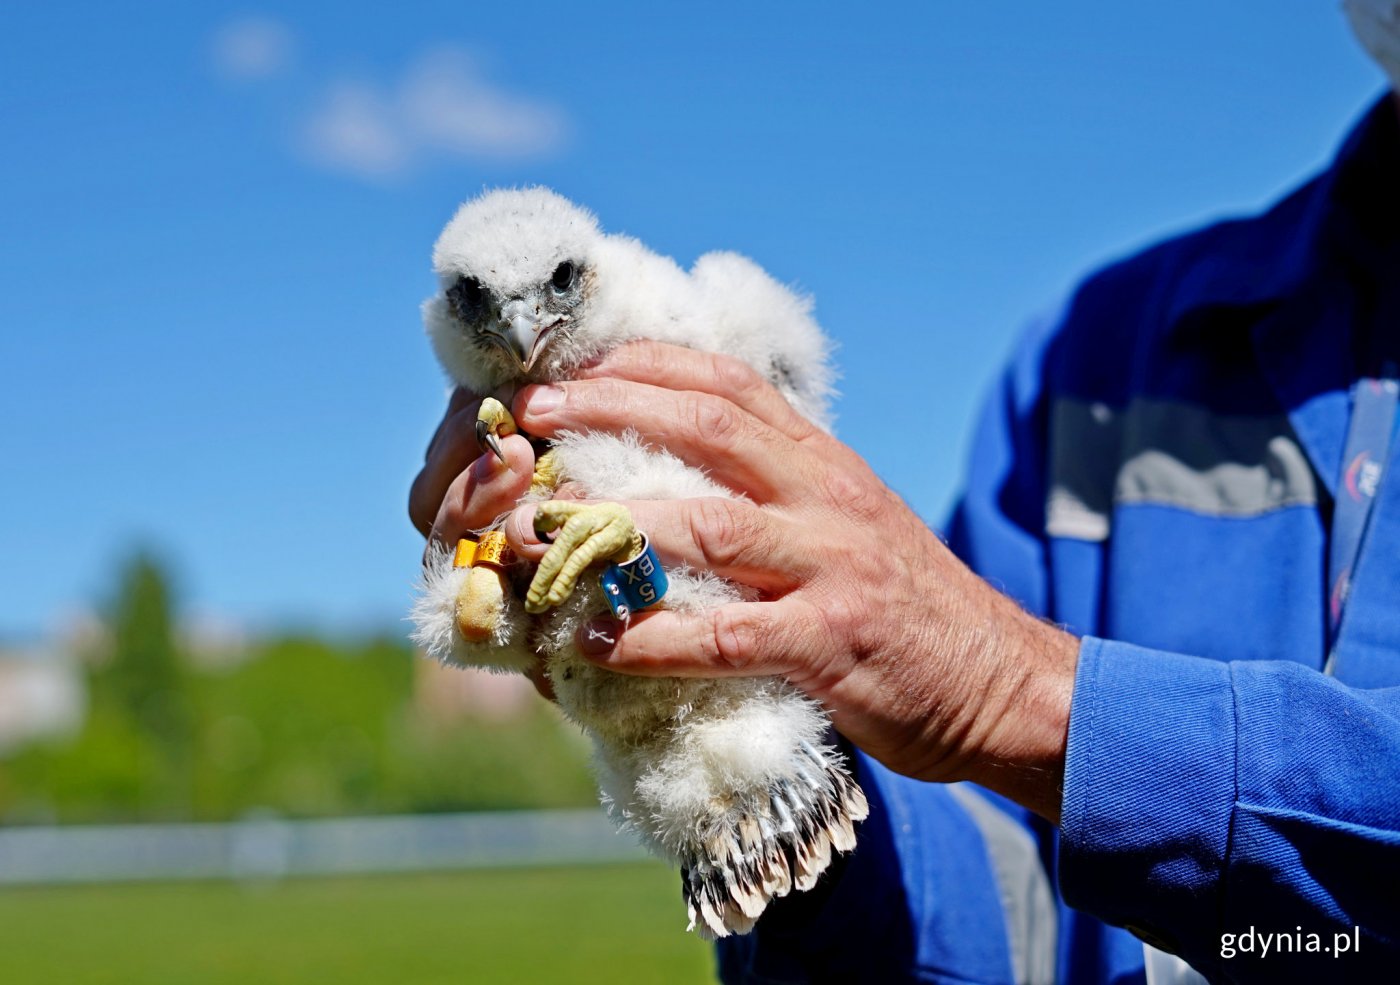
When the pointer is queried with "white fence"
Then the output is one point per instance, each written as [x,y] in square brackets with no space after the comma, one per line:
[272,848]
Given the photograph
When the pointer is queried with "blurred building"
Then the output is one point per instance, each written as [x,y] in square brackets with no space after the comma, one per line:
[213,642]
[445,694]
[41,695]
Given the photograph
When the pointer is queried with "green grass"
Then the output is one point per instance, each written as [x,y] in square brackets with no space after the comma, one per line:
[605,924]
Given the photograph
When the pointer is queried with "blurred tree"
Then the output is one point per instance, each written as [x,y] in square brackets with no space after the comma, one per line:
[299,724]
[142,684]
[143,661]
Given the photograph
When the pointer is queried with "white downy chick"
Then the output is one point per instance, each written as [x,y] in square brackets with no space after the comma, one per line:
[730,779]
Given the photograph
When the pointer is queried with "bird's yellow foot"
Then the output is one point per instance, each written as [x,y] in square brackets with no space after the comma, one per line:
[494,422]
[589,533]
[482,595]
[547,474]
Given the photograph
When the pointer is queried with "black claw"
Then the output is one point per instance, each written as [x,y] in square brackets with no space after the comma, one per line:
[488,441]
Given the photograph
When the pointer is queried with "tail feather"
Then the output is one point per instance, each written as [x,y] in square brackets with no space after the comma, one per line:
[781,841]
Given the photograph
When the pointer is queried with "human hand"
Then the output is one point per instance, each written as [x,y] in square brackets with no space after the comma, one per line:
[920,662]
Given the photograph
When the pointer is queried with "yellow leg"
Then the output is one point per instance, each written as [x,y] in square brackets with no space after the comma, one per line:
[483,593]
[479,604]
[588,533]
[547,475]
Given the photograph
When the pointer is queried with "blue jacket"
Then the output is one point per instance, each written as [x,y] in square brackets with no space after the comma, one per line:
[1157,472]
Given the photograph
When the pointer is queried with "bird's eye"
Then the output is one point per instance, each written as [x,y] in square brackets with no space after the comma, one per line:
[466,298]
[563,278]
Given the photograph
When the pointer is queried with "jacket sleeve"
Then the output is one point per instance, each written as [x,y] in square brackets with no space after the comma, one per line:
[1205,800]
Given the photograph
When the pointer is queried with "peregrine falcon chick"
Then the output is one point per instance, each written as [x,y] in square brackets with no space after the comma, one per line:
[731,779]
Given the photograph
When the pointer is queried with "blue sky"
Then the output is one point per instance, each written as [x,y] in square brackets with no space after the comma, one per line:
[217,222]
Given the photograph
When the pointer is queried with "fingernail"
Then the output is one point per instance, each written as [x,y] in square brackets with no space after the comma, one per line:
[543,399]
[599,636]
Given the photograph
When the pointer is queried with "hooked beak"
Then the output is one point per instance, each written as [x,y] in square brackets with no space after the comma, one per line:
[519,332]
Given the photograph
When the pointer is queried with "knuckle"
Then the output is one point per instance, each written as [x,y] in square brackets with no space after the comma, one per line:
[716,421]
[854,495]
[724,533]
[711,530]
[831,626]
[804,432]
[734,376]
[730,642]
[601,402]
[646,356]
[838,616]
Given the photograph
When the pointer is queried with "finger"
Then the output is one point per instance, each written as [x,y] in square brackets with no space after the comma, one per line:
[461,402]
[731,538]
[452,450]
[484,491]
[675,367]
[703,430]
[742,639]
[540,678]
[460,399]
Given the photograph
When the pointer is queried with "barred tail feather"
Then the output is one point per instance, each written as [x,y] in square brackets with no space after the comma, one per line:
[783,842]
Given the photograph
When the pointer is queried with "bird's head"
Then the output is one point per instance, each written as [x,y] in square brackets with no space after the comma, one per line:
[515,271]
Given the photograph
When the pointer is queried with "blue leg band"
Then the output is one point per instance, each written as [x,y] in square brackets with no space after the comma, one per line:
[635,585]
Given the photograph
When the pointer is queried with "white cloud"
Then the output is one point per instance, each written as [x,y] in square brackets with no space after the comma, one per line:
[254,47]
[354,130]
[441,106]
[447,103]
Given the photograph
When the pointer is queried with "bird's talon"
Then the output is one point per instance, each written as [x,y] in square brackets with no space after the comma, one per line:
[488,441]
[493,420]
